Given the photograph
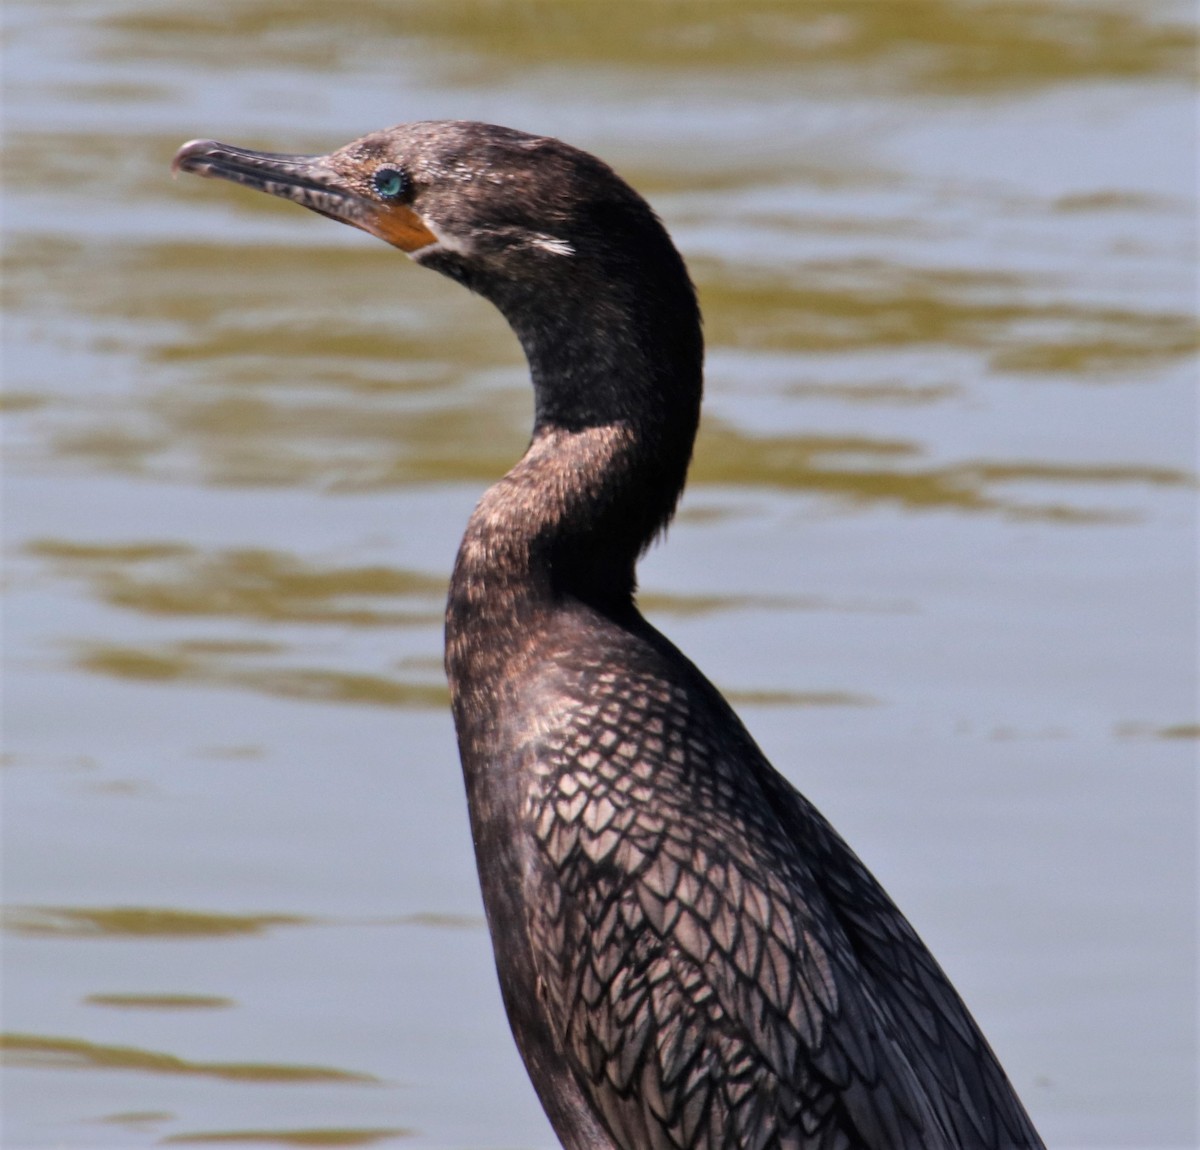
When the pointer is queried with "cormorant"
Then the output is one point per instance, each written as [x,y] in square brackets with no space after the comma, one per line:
[690,955]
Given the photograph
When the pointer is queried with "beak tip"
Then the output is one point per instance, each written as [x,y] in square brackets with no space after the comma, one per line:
[191,151]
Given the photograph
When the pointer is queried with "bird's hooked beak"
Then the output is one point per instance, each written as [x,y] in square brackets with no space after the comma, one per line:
[314,182]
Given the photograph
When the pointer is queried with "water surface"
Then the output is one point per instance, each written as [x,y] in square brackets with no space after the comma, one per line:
[939,544]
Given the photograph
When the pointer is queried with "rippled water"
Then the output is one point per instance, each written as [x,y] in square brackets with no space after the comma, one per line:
[939,544]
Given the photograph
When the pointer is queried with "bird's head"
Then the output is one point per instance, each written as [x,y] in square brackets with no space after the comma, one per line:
[571,255]
[477,201]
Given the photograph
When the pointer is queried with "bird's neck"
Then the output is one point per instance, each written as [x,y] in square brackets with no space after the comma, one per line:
[563,528]
[534,535]
[617,387]
[530,551]
[616,364]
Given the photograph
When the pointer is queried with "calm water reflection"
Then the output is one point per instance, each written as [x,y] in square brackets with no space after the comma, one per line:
[939,544]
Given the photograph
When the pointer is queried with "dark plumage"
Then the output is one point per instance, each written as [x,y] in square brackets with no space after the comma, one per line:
[690,955]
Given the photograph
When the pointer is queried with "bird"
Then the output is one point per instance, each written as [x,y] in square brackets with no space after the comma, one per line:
[690,956]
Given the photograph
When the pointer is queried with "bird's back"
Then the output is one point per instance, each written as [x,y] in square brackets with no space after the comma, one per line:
[713,964]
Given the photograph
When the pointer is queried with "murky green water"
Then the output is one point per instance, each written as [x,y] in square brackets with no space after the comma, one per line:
[939,543]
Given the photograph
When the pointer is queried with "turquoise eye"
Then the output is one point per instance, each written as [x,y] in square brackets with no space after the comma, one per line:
[390,183]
